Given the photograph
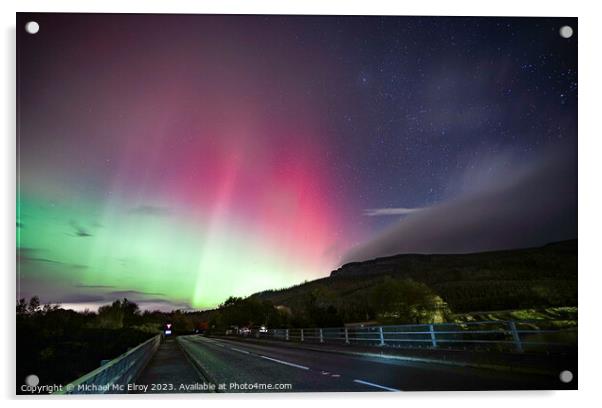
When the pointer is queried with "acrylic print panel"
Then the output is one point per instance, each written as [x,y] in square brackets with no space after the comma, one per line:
[222,203]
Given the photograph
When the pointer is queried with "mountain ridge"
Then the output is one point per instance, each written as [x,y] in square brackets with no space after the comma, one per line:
[543,276]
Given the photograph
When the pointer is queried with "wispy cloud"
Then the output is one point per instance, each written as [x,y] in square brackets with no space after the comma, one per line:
[133,293]
[529,204]
[79,230]
[375,212]
[151,210]
[95,286]
[155,304]
[33,255]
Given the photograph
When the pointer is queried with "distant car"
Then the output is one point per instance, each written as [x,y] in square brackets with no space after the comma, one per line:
[257,331]
[244,331]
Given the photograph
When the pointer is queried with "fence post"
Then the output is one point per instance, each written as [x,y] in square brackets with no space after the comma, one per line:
[301,335]
[382,336]
[286,335]
[321,336]
[433,338]
[515,336]
[346,335]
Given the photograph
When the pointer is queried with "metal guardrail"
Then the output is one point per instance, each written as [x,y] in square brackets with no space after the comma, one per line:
[113,376]
[520,336]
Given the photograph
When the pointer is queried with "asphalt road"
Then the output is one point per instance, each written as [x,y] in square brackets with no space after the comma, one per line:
[240,365]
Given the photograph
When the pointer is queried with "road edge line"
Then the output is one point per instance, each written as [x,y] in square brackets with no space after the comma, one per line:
[203,373]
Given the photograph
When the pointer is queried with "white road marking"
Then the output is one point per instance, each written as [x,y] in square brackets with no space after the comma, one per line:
[239,350]
[285,363]
[375,385]
[215,343]
[336,375]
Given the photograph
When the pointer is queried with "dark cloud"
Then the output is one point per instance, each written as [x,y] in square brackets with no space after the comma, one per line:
[31,254]
[150,210]
[163,305]
[79,298]
[526,205]
[25,255]
[133,293]
[79,230]
[146,301]
[83,303]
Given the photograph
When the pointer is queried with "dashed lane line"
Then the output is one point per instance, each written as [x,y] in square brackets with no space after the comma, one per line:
[266,357]
[382,387]
[285,362]
[328,373]
[239,350]
[302,367]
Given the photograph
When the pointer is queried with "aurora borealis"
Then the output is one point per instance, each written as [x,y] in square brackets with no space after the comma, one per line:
[178,160]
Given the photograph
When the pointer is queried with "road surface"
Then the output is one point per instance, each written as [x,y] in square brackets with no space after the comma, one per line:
[167,371]
[244,366]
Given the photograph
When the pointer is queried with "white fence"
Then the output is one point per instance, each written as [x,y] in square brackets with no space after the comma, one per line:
[532,335]
[113,376]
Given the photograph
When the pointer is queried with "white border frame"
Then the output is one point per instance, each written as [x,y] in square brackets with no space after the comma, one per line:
[589,190]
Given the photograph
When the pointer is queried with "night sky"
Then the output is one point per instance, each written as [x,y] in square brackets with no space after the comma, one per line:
[177,160]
